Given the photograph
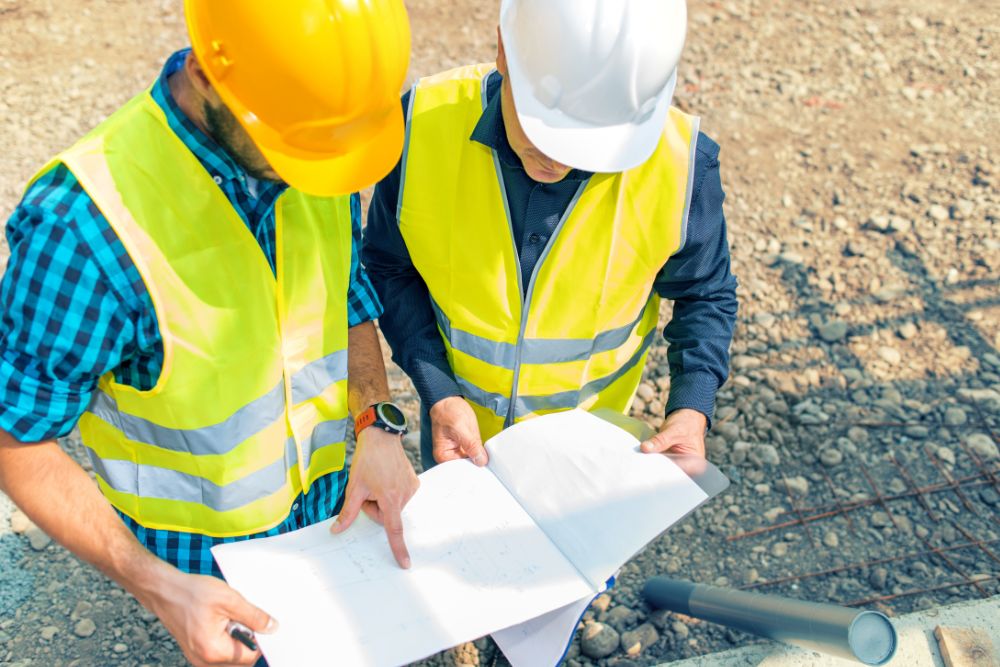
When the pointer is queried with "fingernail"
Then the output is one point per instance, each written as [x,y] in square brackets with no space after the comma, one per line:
[272,627]
[335,526]
[480,460]
[406,563]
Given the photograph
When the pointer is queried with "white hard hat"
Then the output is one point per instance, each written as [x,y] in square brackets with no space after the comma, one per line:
[593,79]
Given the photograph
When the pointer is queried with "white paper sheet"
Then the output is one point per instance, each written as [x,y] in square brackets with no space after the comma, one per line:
[542,641]
[585,482]
[479,563]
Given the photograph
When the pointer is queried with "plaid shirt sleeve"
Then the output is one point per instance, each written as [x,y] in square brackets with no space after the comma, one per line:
[64,321]
[363,304]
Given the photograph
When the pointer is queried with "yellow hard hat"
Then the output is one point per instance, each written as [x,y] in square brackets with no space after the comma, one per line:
[315,83]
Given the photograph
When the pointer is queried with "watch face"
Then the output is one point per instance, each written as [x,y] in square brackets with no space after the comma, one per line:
[391,415]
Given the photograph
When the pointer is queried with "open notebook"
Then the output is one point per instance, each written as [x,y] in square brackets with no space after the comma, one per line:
[517,549]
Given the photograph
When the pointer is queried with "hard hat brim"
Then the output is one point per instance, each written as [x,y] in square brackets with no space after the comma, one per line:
[582,145]
[327,176]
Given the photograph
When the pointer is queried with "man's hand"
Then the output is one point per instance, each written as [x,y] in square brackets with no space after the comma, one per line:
[455,432]
[683,433]
[381,482]
[196,610]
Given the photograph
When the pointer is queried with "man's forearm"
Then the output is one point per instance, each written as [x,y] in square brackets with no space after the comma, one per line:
[366,381]
[56,494]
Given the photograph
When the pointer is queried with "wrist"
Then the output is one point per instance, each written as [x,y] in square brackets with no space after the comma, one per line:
[149,579]
[444,405]
[694,418]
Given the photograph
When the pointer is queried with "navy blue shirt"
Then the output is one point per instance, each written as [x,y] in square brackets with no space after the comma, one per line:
[697,278]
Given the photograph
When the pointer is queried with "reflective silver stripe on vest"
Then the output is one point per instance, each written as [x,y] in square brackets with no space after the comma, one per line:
[219,438]
[408,123]
[695,129]
[499,404]
[148,481]
[534,350]
[570,399]
[325,434]
[313,378]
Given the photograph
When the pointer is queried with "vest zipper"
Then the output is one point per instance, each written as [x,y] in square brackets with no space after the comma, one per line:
[526,296]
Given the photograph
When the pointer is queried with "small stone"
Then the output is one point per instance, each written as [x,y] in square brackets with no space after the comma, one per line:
[857,435]
[646,392]
[681,630]
[955,417]
[636,641]
[945,455]
[989,495]
[881,520]
[890,355]
[779,549]
[833,331]
[938,212]
[765,455]
[37,538]
[598,640]
[82,609]
[898,225]
[907,330]
[660,618]
[831,540]
[985,398]
[48,632]
[119,648]
[601,602]
[84,628]
[878,578]
[728,430]
[764,319]
[19,522]
[797,485]
[983,446]
[831,457]
[620,618]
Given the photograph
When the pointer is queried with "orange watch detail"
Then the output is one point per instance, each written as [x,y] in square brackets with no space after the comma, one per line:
[364,420]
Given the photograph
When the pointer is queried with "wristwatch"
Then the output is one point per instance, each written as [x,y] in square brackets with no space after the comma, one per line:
[385,415]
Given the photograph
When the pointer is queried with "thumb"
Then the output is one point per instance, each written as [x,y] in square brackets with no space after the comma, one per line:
[660,442]
[352,506]
[253,617]
[474,450]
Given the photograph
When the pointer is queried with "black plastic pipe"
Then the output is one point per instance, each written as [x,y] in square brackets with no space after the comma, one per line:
[867,636]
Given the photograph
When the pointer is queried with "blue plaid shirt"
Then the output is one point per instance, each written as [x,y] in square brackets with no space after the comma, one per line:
[74,307]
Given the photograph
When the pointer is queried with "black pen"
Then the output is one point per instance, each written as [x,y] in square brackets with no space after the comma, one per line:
[242,634]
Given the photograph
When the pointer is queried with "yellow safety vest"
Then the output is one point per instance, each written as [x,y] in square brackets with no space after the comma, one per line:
[580,336]
[251,404]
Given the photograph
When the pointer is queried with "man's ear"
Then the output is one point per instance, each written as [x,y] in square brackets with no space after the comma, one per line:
[501,56]
[196,75]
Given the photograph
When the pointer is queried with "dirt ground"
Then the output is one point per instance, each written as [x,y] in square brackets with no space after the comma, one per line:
[860,149]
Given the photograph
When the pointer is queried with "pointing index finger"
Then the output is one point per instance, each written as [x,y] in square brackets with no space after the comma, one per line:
[394,531]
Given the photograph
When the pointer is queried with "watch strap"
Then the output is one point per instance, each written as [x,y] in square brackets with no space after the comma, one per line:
[364,420]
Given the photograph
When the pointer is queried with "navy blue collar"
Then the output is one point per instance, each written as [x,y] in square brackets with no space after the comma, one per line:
[491,132]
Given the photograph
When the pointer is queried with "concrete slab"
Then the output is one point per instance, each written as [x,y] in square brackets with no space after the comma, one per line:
[917,645]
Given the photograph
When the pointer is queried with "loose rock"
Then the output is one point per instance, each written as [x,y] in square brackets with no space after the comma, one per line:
[598,640]
[636,641]
[84,628]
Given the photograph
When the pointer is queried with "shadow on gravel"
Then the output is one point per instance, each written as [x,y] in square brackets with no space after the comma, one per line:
[889,481]
[16,584]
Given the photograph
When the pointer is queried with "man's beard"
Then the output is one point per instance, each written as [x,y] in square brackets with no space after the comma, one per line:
[226,131]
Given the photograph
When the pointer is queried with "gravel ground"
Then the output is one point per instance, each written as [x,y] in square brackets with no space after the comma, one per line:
[860,155]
